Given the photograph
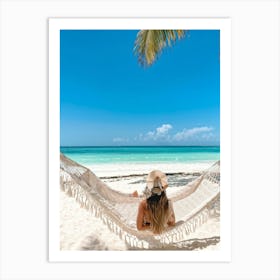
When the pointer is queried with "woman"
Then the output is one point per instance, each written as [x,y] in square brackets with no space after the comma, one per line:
[155,212]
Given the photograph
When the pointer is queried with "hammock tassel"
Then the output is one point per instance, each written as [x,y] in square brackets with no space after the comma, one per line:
[105,203]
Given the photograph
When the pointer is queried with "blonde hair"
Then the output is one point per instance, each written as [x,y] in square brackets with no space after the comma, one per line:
[158,208]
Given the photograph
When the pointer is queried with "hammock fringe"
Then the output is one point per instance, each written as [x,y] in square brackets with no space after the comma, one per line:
[90,199]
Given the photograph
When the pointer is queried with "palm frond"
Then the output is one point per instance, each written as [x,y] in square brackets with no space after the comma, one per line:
[150,43]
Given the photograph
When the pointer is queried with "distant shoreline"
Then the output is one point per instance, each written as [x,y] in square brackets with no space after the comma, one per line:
[135,160]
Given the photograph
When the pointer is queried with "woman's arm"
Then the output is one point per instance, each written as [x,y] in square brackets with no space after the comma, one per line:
[140,217]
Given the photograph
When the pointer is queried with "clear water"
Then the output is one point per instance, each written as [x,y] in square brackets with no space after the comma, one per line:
[101,155]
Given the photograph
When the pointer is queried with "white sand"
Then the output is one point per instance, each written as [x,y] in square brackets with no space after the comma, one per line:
[80,230]
[121,169]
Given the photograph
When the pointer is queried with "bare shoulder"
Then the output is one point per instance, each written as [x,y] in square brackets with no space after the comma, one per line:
[170,203]
[170,207]
[143,204]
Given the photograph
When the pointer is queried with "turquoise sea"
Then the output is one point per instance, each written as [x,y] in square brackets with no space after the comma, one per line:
[174,154]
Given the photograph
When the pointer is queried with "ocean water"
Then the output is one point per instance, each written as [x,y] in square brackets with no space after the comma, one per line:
[141,155]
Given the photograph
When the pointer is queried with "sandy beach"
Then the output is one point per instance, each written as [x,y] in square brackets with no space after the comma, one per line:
[80,230]
[125,169]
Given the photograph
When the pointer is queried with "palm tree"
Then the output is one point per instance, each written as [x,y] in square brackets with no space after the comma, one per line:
[149,43]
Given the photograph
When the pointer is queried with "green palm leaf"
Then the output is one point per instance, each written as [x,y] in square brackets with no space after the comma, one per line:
[149,43]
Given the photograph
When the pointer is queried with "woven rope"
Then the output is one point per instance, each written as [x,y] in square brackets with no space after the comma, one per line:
[193,205]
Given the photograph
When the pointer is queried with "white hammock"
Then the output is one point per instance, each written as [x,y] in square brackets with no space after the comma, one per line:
[193,205]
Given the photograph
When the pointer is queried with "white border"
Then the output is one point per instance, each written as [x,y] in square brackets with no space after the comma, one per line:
[224,25]
[255,123]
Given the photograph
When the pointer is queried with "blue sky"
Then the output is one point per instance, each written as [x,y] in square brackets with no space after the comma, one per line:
[108,99]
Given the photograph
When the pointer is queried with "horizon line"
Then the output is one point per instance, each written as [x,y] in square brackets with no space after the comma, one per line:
[140,146]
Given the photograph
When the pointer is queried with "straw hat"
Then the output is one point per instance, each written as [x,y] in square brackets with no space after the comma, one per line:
[156,183]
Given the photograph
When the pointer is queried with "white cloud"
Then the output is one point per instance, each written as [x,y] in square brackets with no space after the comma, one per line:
[161,133]
[163,129]
[186,134]
[120,140]
[208,136]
